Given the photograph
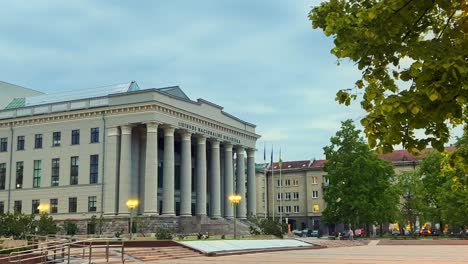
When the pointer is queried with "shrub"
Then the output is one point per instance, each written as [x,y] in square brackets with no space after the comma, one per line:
[164,233]
[46,225]
[70,227]
[266,226]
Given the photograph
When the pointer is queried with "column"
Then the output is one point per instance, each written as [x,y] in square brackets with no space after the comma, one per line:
[186,176]
[201,176]
[125,176]
[150,202]
[215,192]
[228,180]
[110,205]
[240,182]
[168,172]
[251,184]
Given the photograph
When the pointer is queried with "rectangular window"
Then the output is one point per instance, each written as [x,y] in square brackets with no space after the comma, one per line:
[288,209]
[93,169]
[53,206]
[37,174]
[92,201]
[38,141]
[288,183]
[296,208]
[20,143]
[296,182]
[279,196]
[315,194]
[2,176]
[287,196]
[2,207]
[35,206]
[19,174]
[72,204]
[279,183]
[314,180]
[74,165]
[75,140]
[3,144]
[95,135]
[55,176]
[263,197]
[296,196]
[17,208]
[56,139]
[316,208]
[280,209]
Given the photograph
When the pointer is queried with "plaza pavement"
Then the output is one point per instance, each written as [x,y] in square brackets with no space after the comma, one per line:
[365,254]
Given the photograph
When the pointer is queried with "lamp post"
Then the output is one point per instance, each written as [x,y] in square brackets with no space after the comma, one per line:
[132,204]
[43,208]
[235,200]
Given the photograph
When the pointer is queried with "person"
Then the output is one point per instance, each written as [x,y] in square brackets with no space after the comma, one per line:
[351,234]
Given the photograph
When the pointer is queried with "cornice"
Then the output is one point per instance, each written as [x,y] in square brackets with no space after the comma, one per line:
[110,111]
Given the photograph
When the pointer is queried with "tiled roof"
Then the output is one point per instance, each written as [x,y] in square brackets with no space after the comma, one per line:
[16,103]
[292,164]
[318,163]
[404,155]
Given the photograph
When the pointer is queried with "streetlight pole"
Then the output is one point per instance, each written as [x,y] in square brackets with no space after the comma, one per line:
[235,200]
[132,204]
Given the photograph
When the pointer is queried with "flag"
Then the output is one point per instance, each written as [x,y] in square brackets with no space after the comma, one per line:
[280,162]
[271,161]
[264,152]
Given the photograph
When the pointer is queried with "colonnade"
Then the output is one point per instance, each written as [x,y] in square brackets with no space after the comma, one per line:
[229,175]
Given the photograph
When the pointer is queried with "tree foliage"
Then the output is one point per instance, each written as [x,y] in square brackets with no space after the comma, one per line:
[413,57]
[411,191]
[16,225]
[359,190]
[46,225]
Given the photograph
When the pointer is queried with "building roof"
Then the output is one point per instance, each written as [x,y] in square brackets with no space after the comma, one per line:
[290,165]
[10,92]
[404,155]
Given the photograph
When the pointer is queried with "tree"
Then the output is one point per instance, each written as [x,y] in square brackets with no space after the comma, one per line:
[412,197]
[381,36]
[46,225]
[17,225]
[71,228]
[359,190]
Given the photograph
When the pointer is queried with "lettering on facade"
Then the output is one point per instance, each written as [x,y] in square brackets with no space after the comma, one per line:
[208,132]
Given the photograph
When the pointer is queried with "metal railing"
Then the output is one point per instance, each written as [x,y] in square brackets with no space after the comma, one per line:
[61,249]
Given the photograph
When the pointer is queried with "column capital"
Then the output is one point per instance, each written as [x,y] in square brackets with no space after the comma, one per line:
[240,149]
[112,131]
[168,130]
[185,134]
[126,129]
[227,146]
[201,139]
[214,142]
[251,152]
[152,127]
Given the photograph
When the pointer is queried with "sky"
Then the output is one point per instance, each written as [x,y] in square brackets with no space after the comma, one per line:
[259,59]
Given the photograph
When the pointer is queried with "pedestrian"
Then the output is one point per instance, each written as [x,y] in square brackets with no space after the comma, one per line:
[351,234]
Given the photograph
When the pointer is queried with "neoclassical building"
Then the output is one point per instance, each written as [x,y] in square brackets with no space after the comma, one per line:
[88,152]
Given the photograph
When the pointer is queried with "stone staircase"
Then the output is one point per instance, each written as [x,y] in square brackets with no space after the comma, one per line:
[218,226]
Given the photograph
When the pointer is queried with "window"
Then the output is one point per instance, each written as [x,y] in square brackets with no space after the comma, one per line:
[17,208]
[296,182]
[296,195]
[2,207]
[296,209]
[278,183]
[314,180]
[72,204]
[95,135]
[53,206]
[3,144]
[56,139]
[37,174]
[279,196]
[288,183]
[288,209]
[92,201]
[280,209]
[263,197]
[315,194]
[55,172]
[20,143]
[75,140]
[19,174]
[287,196]
[93,169]
[2,176]
[35,206]
[316,208]
[38,141]
[74,164]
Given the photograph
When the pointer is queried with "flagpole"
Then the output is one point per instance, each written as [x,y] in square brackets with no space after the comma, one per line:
[272,184]
[265,170]
[281,189]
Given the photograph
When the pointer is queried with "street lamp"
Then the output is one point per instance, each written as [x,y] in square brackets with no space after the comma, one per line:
[235,200]
[132,204]
[43,208]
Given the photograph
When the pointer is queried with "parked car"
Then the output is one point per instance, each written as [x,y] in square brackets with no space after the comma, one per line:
[306,233]
[297,232]
[314,233]
[359,232]
[395,232]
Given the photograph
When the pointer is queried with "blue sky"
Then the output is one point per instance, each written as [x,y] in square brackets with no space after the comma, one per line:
[261,60]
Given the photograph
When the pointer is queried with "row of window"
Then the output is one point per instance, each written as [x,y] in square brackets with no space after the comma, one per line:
[56,140]
[295,196]
[54,203]
[294,182]
[55,172]
[287,209]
